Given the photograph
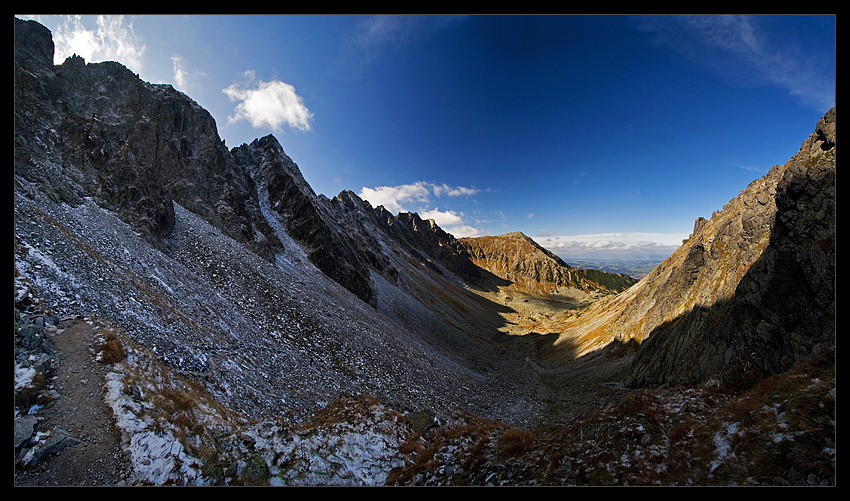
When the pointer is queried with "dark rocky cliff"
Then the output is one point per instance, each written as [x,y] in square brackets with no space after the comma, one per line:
[97,130]
[305,215]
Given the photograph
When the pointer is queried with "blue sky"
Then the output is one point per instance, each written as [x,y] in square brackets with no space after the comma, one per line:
[599,136]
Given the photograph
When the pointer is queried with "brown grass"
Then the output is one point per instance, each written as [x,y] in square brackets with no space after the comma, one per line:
[515,442]
[112,349]
[681,430]
[643,403]
[172,400]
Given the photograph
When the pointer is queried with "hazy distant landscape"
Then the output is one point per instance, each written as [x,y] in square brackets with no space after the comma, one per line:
[635,268]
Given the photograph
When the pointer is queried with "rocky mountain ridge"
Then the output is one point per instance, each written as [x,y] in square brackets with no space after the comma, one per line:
[266,334]
[99,131]
[135,147]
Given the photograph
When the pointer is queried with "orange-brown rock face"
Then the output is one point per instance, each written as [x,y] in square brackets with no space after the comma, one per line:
[531,269]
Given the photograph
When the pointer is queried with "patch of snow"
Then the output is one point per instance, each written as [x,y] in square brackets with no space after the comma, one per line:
[723,444]
[23,376]
[159,458]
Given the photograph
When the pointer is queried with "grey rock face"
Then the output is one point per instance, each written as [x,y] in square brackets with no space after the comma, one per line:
[97,130]
[24,427]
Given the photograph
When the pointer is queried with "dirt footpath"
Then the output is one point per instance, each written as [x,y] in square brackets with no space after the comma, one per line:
[81,411]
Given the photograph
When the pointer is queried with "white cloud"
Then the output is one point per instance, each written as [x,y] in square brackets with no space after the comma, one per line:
[114,39]
[457,191]
[443,218]
[419,194]
[179,73]
[465,230]
[273,103]
[397,198]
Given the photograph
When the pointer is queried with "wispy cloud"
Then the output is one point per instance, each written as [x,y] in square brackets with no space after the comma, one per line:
[185,79]
[373,35]
[547,233]
[753,50]
[456,191]
[180,75]
[113,39]
[376,32]
[272,104]
[753,168]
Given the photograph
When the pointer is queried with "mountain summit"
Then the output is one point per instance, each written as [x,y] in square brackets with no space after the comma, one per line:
[532,269]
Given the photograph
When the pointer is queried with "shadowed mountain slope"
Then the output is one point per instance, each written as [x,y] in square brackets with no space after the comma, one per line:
[247,266]
[750,292]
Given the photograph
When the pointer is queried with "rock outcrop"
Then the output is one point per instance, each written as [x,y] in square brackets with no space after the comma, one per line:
[97,130]
[307,217]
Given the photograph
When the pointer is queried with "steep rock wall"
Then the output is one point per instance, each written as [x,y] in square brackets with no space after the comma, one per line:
[748,294]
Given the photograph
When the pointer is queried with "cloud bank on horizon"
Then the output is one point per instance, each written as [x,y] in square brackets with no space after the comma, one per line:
[612,245]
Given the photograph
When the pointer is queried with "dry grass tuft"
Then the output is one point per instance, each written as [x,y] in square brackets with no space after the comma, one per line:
[111,350]
[515,442]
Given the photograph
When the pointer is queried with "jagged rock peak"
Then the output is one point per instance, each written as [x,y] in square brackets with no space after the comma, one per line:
[39,46]
[98,131]
[351,200]
[269,143]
